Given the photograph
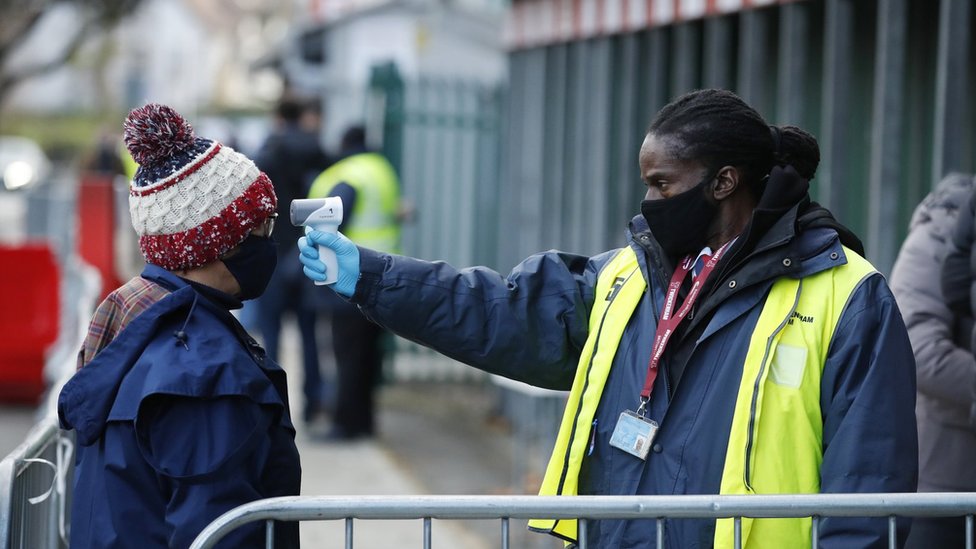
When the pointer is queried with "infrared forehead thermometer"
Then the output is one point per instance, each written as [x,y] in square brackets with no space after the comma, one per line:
[321,214]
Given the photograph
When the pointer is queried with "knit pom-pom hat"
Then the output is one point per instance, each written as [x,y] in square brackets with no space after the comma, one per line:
[192,199]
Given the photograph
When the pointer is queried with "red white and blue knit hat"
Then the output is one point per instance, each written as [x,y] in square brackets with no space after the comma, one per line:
[192,199]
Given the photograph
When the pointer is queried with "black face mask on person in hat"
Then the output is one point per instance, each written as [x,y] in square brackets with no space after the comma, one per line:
[680,223]
[253,264]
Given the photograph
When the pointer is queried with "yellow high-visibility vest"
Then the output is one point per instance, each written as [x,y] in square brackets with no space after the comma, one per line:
[374,216]
[128,164]
[780,384]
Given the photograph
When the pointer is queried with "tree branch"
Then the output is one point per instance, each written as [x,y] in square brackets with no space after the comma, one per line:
[20,30]
[9,79]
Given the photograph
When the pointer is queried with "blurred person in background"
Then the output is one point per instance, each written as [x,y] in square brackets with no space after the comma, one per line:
[939,246]
[369,188]
[771,311]
[105,159]
[291,157]
[179,414]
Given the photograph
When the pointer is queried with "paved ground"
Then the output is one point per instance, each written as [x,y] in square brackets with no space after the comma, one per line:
[434,438]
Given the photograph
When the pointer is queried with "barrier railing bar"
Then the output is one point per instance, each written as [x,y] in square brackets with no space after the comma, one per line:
[737,533]
[815,532]
[426,532]
[17,482]
[892,543]
[969,531]
[596,508]
[349,533]
[581,534]
[269,534]
[505,533]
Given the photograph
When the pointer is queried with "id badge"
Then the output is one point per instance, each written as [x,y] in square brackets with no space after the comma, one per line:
[633,434]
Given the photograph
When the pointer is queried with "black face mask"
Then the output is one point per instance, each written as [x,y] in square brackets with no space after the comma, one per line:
[253,265]
[680,223]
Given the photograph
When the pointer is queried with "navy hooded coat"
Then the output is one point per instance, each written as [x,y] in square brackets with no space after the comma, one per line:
[174,431]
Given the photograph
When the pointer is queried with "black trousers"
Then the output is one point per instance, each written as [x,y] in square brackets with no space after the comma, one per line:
[359,361]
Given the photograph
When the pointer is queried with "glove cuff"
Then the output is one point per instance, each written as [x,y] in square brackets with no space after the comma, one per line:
[372,265]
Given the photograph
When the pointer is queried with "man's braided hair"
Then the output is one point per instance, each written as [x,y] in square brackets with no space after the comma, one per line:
[718,128]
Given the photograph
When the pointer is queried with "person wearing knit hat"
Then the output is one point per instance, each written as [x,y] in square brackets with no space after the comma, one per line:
[179,414]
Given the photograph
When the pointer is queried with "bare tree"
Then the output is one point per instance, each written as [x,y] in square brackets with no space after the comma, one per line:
[19,17]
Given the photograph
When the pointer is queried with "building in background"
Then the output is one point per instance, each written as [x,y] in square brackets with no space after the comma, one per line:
[334,48]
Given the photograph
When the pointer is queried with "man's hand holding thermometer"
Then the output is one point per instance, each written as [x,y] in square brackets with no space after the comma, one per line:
[327,255]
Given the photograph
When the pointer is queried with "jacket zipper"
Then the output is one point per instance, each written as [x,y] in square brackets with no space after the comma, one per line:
[592,447]
[755,388]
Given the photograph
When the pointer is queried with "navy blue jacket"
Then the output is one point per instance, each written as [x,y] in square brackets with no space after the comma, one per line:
[532,324]
[172,435]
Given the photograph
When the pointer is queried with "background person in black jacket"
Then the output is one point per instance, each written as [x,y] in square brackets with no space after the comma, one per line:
[292,157]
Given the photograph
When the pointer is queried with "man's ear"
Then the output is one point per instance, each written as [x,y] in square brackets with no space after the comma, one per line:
[726,182]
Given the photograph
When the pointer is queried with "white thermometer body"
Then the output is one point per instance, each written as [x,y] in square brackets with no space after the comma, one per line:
[321,214]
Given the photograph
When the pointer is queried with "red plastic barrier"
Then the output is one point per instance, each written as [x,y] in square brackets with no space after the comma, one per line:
[96,228]
[30,288]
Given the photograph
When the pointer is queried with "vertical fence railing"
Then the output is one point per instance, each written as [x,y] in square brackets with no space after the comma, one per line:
[586,509]
[443,137]
[882,84]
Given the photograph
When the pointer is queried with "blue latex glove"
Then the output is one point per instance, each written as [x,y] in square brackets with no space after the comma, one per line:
[347,256]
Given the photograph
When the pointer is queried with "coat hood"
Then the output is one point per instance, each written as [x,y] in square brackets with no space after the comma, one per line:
[786,191]
[185,345]
[86,400]
[948,196]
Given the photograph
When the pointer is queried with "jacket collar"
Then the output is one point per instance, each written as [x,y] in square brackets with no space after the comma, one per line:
[173,283]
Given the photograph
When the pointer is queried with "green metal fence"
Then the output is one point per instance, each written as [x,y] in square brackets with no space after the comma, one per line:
[442,135]
[883,84]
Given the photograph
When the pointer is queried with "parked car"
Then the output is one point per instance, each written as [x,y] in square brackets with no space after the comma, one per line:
[22,163]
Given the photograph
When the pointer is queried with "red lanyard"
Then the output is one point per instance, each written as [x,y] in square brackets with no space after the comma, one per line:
[667,325]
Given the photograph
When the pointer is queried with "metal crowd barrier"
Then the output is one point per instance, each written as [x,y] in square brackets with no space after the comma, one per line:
[36,477]
[587,508]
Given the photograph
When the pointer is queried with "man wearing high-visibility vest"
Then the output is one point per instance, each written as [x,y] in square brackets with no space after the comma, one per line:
[738,344]
[368,186]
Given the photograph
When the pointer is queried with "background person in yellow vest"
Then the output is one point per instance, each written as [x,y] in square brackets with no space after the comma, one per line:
[129,165]
[370,192]
[790,372]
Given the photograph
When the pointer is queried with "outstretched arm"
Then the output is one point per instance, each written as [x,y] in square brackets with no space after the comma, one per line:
[529,325]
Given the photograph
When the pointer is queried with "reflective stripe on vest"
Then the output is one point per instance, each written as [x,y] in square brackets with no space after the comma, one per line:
[373,219]
[781,379]
[618,290]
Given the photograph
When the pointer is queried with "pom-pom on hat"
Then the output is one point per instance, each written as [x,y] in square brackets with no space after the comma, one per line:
[192,199]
